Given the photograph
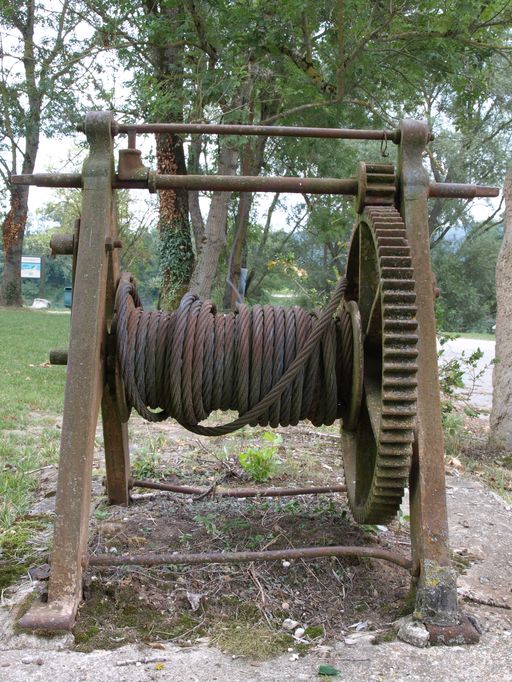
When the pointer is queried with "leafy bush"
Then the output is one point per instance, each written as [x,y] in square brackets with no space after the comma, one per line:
[261,463]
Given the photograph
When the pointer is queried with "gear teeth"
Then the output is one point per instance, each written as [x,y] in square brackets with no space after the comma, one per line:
[399,366]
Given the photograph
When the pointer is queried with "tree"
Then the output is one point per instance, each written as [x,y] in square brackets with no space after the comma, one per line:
[465,274]
[501,413]
[43,66]
[343,63]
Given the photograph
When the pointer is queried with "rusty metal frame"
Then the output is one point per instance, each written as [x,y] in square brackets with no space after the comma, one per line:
[91,378]
[96,270]
[436,593]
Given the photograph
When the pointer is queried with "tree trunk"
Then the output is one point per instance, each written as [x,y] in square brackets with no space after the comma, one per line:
[501,414]
[176,255]
[252,165]
[193,195]
[215,230]
[13,231]
[13,227]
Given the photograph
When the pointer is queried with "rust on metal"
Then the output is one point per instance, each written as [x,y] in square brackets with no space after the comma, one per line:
[436,588]
[252,183]
[149,559]
[84,385]
[262,130]
[463,632]
[58,356]
[219,491]
[456,190]
[61,245]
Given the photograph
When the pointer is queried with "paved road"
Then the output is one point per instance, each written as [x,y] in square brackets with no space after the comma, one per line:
[481,396]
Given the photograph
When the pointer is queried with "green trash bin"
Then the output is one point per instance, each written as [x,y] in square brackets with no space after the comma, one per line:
[68,297]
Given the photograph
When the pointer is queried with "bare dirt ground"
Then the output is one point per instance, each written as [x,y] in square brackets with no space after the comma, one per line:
[226,622]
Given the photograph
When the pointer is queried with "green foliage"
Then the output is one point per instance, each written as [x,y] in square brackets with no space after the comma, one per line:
[328,671]
[465,272]
[455,391]
[261,463]
[207,521]
[146,464]
[176,263]
[453,373]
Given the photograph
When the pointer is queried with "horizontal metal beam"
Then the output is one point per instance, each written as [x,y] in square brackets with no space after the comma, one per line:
[456,190]
[237,492]
[261,130]
[251,183]
[153,559]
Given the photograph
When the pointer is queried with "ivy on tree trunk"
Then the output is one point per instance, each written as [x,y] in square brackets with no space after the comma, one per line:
[176,255]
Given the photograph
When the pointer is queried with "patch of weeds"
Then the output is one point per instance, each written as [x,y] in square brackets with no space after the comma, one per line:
[385,636]
[235,524]
[102,511]
[17,550]
[453,429]
[259,540]
[493,474]
[146,465]
[327,508]
[314,631]
[260,464]
[248,639]
[114,616]
[207,521]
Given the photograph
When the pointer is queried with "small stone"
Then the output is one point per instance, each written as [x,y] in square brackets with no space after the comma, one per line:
[285,606]
[286,564]
[289,624]
[299,632]
[413,632]
[27,660]
[294,657]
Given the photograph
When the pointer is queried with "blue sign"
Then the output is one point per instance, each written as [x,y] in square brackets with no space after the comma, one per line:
[31,267]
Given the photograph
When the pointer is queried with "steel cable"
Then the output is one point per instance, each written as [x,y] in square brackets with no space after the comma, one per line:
[274,365]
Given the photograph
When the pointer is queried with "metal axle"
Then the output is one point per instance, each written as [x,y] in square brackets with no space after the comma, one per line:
[250,183]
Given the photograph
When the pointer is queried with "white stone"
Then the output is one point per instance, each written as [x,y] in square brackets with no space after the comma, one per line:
[413,632]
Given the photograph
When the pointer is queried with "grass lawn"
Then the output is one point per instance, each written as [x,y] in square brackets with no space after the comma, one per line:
[29,383]
[475,335]
[31,397]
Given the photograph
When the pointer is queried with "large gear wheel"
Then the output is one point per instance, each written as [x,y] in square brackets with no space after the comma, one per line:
[377,449]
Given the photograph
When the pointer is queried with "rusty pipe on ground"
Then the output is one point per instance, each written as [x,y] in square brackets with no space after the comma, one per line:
[152,559]
[237,492]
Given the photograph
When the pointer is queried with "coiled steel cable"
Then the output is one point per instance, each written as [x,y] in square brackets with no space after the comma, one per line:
[275,366]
